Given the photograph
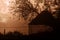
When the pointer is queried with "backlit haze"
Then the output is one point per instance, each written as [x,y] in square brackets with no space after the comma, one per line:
[10,22]
[7,20]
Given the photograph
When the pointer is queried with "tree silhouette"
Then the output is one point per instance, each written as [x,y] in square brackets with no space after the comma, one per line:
[24,8]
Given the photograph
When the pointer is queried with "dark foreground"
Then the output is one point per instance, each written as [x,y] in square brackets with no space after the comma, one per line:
[17,36]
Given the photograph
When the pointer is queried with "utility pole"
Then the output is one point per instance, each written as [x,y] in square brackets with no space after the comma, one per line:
[4,31]
[4,34]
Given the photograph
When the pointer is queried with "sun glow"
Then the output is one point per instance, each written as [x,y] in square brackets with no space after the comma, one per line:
[4,6]
[4,10]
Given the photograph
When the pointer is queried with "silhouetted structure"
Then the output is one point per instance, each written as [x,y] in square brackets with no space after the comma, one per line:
[44,18]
